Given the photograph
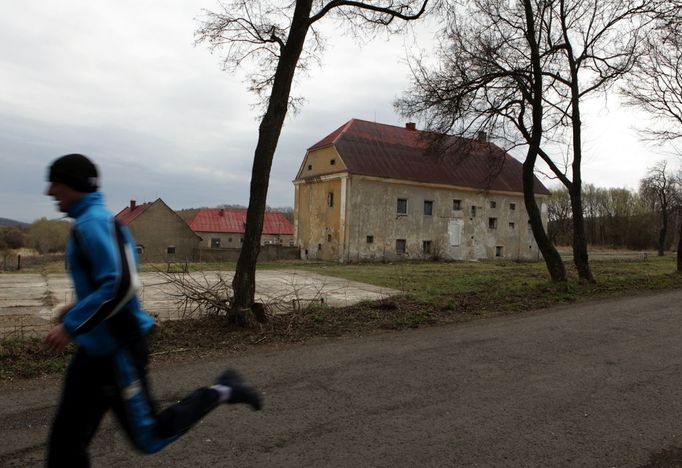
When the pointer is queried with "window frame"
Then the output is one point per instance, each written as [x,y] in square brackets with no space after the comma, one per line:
[428,203]
[397,208]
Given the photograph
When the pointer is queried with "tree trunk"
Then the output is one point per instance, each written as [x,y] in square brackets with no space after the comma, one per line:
[663,232]
[555,266]
[244,282]
[580,258]
[679,245]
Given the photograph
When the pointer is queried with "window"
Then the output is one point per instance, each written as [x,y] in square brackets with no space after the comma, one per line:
[241,240]
[473,211]
[455,231]
[493,204]
[426,247]
[400,246]
[402,206]
[428,207]
[170,250]
[332,162]
[492,223]
[330,199]
[456,205]
[499,251]
[215,242]
[512,206]
[370,239]
[139,249]
[512,226]
[310,167]
[329,237]
[229,239]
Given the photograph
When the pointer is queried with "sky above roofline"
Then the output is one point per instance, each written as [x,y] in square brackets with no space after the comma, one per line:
[124,83]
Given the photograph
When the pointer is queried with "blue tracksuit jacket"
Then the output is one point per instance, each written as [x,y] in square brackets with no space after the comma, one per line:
[102,260]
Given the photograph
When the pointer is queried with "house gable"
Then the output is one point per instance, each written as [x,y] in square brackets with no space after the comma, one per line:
[320,162]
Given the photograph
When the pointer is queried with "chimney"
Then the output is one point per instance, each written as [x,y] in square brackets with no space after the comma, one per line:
[133,204]
[411,126]
[222,212]
[482,135]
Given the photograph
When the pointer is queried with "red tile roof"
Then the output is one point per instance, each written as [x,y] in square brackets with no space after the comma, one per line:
[387,151]
[232,221]
[127,215]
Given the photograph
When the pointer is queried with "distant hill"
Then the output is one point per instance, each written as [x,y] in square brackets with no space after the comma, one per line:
[4,222]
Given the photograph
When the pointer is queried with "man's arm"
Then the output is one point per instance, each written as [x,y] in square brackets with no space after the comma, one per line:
[112,271]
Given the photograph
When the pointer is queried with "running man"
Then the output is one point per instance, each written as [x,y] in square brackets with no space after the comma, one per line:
[108,370]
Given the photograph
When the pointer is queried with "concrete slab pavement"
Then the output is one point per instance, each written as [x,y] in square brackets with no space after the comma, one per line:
[28,301]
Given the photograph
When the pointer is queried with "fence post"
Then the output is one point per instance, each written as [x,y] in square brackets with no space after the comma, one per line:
[18,262]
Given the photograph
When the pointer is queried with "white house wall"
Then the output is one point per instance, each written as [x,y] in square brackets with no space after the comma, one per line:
[372,211]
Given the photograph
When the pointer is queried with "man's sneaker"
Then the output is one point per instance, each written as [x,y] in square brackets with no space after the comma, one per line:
[239,392]
[229,378]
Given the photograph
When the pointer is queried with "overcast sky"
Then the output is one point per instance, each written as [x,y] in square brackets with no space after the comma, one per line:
[124,83]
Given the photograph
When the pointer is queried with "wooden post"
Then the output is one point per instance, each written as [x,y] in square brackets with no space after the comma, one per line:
[18,262]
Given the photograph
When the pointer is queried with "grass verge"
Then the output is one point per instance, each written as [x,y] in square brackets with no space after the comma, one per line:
[431,293]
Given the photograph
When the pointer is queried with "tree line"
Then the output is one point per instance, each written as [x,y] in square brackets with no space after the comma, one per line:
[642,219]
[43,235]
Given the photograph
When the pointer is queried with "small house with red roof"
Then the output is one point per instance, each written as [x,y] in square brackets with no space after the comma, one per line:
[160,234]
[223,228]
[374,191]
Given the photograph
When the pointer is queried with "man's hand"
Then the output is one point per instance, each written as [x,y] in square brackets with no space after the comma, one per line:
[61,312]
[57,339]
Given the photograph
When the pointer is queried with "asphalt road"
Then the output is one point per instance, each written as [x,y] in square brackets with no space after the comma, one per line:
[593,385]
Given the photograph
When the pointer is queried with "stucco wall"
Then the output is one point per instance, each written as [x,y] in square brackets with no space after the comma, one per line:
[318,225]
[159,228]
[372,211]
[235,240]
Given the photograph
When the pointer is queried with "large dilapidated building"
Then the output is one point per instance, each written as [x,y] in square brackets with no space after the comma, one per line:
[370,191]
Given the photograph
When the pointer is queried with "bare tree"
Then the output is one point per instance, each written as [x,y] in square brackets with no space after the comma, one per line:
[488,78]
[275,36]
[659,189]
[655,85]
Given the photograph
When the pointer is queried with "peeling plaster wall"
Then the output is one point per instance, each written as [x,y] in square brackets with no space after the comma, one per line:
[372,211]
[318,225]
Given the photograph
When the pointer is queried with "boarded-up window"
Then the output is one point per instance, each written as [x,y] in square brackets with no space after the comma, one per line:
[400,245]
[426,247]
[455,232]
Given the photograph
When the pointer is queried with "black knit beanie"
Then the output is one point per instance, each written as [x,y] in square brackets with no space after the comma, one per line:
[75,171]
